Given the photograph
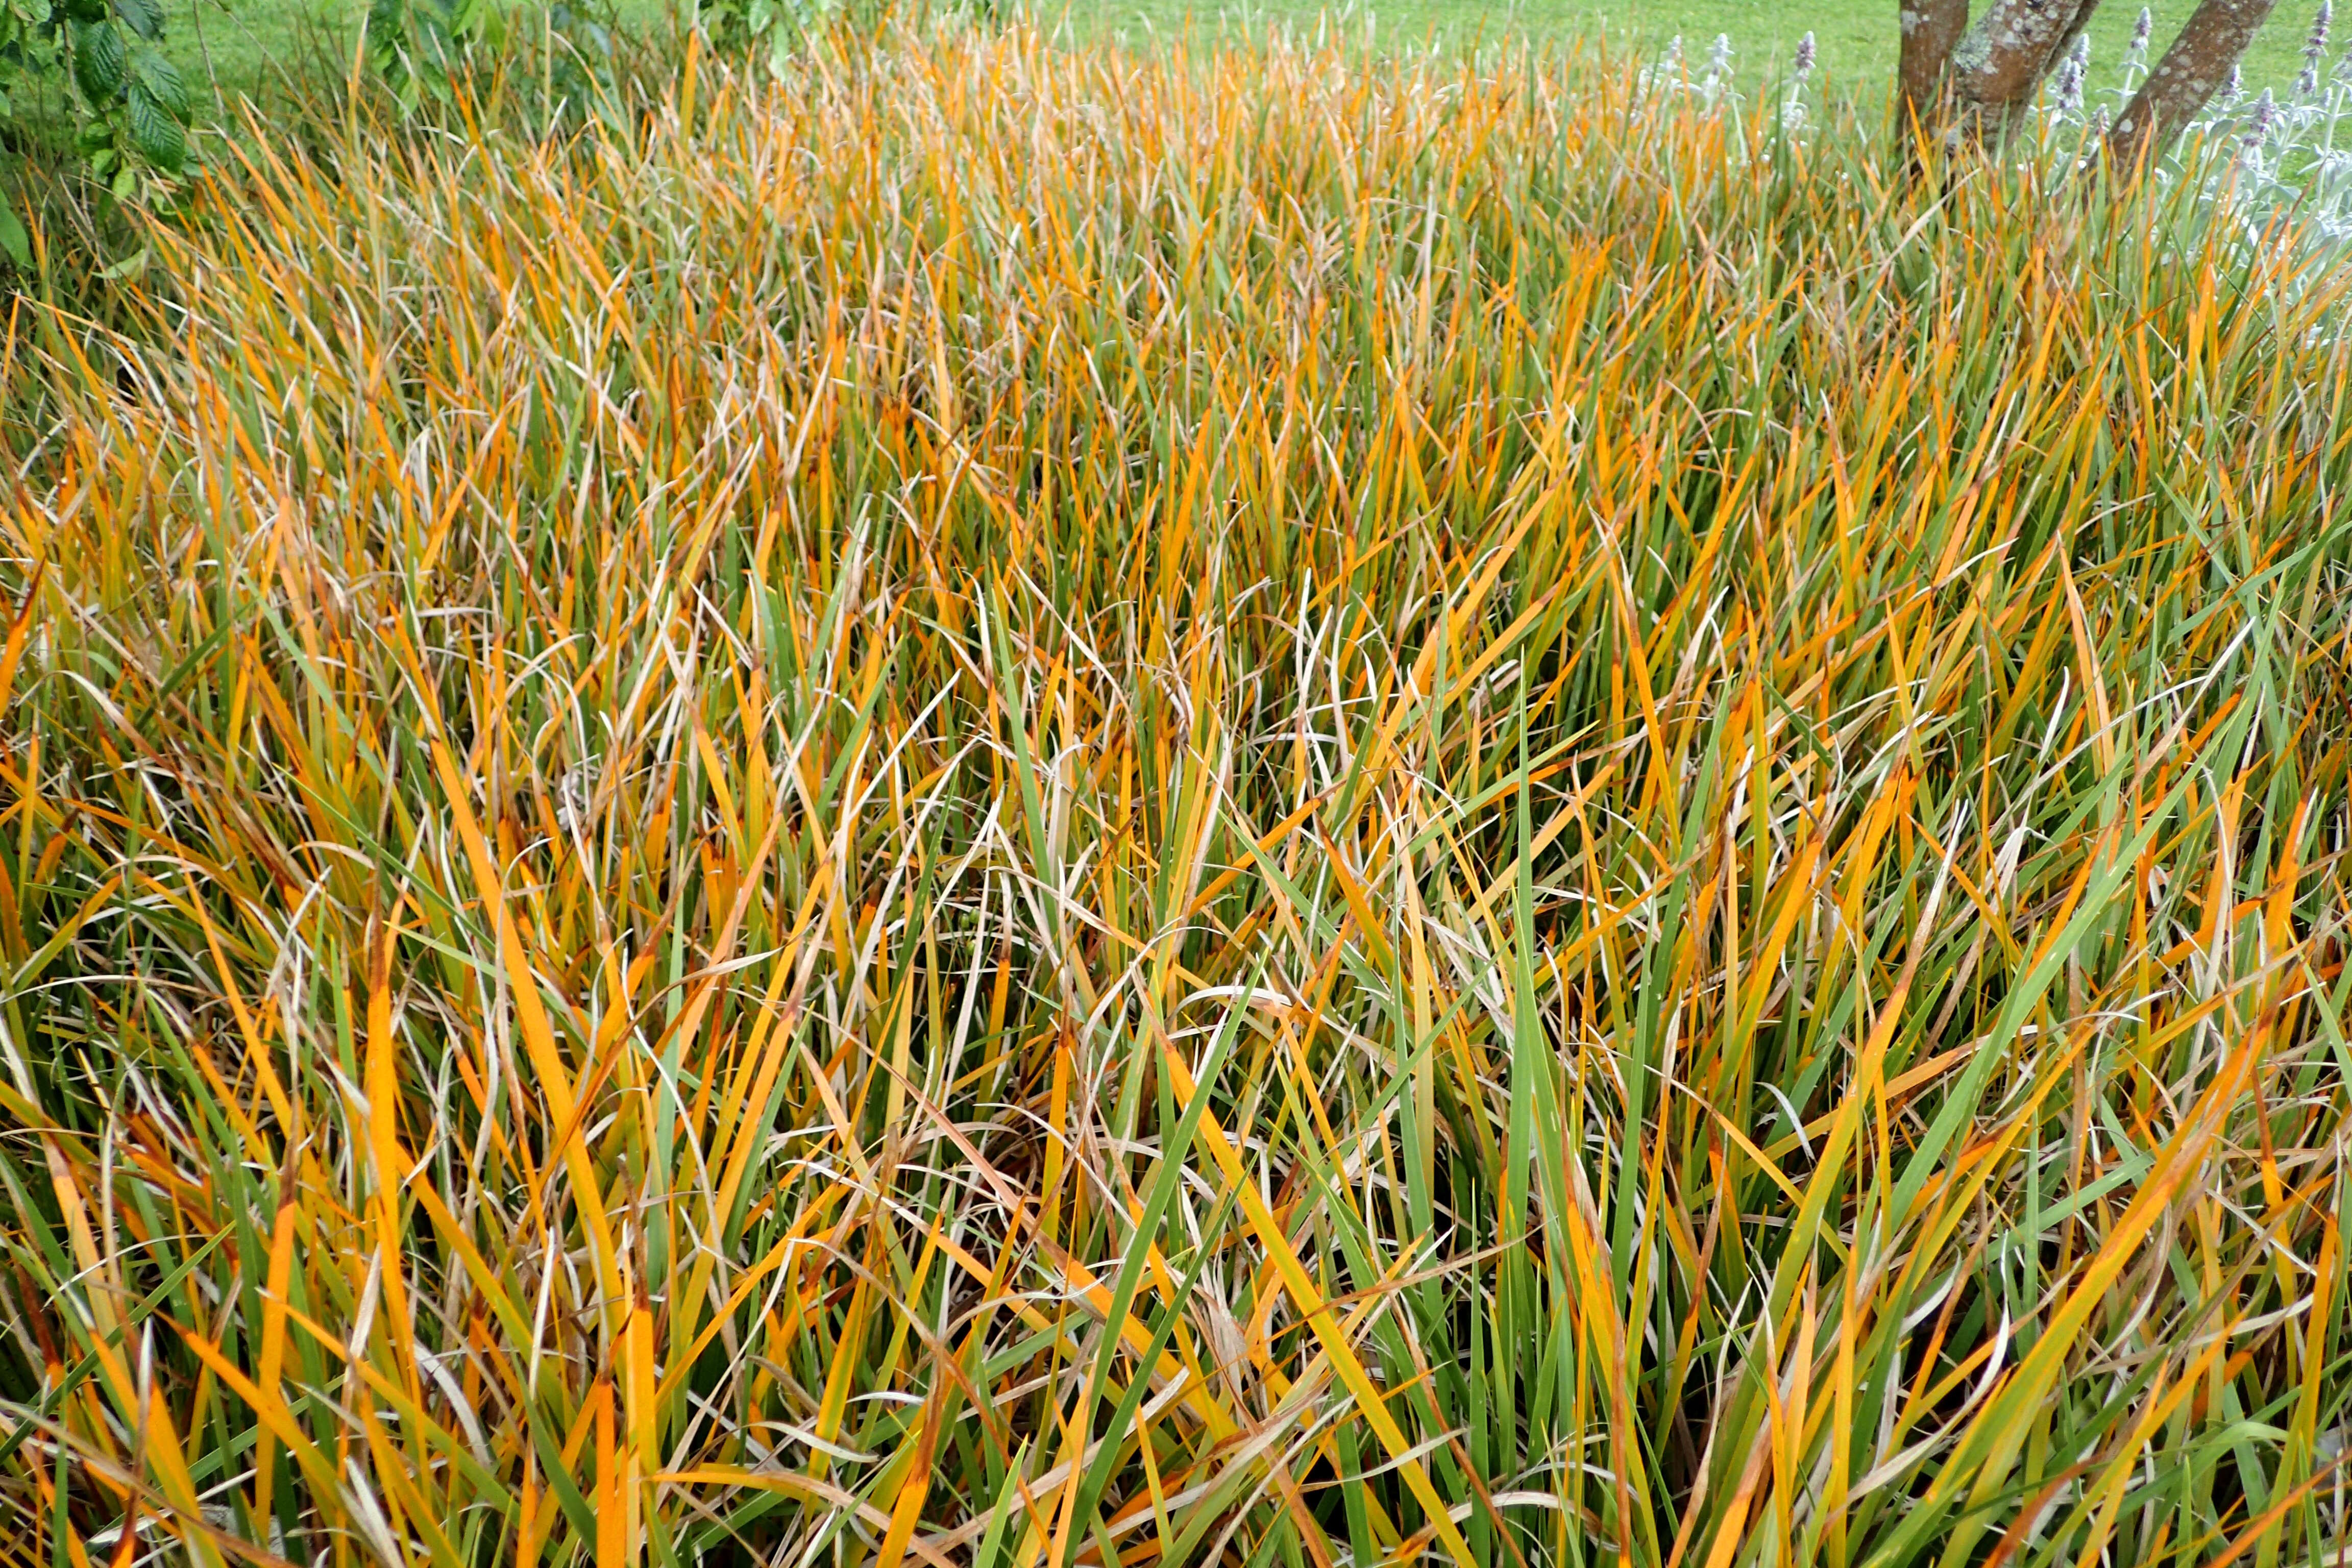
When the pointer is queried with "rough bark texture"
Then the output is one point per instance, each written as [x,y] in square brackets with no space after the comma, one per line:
[2000,65]
[1931,31]
[1987,74]
[2185,81]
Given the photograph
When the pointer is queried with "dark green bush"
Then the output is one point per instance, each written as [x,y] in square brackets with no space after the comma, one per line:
[126,103]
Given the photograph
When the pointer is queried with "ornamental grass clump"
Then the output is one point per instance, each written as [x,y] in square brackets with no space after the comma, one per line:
[1004,804]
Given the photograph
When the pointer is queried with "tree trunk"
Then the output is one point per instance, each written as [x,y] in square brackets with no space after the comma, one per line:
[1999,66]
[1931,31]
[1986,74]
[2191,71]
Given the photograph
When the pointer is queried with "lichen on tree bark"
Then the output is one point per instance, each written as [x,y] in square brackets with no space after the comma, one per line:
[1982,79]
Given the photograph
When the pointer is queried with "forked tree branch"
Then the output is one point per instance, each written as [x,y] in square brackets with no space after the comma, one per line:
[2000,65]
[1989,72]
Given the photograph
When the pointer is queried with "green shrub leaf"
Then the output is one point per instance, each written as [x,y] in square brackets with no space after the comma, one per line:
[163,82]
[99,62]
[155,132]
[13,239]
[144,18]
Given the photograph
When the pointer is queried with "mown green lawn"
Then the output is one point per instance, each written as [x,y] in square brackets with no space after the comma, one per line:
[1856,37]
[240,49]
[236,48]
[242,45]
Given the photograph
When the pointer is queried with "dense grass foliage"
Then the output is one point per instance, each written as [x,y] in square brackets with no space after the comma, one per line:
[1011,806]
